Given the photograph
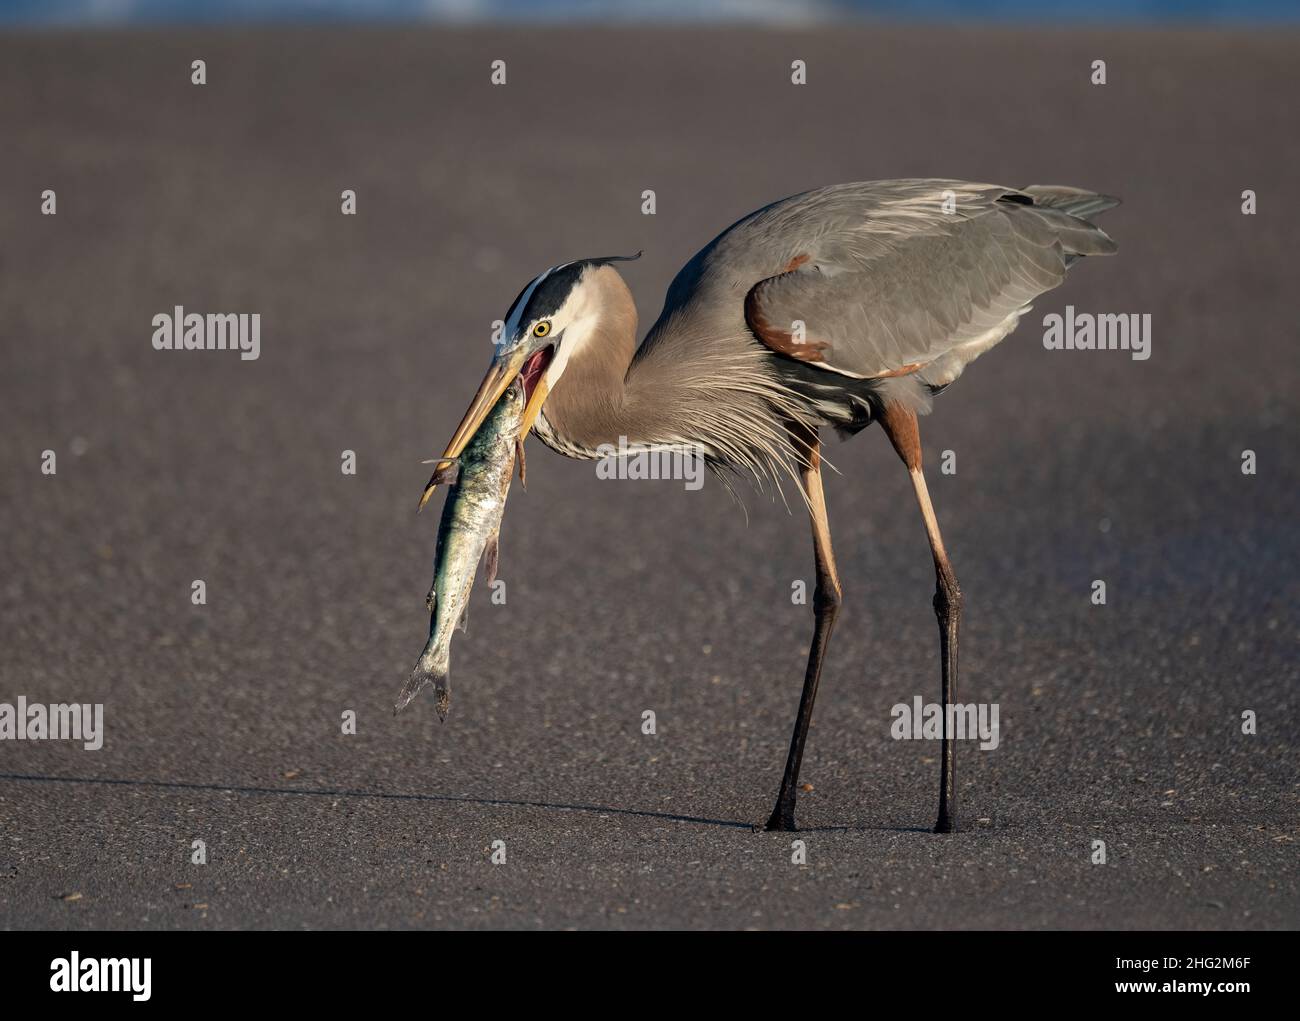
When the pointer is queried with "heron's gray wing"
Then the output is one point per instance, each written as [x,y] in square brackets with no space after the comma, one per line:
[937,268]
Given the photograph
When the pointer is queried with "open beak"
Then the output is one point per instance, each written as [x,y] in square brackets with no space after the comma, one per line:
[499,376]
[534,406]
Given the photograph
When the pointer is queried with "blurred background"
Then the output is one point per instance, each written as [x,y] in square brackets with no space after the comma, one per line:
[114,12]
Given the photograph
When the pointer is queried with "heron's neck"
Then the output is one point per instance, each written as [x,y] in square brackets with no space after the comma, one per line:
[698,380]
[603,396]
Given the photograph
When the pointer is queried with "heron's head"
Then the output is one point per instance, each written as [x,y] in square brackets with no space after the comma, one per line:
[552,318]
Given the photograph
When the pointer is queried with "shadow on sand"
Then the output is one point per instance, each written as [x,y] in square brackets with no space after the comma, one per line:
[321,792]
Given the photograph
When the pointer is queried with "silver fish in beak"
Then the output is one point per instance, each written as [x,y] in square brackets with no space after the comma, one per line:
[467,533]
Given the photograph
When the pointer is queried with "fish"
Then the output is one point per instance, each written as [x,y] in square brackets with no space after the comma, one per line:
[468,532]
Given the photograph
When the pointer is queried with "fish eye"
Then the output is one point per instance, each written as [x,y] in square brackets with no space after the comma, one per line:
[542,328]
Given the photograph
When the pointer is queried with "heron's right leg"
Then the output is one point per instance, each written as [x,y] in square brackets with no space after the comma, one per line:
[826,607]
[900,426]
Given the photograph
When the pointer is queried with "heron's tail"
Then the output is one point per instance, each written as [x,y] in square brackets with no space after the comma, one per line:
[1067,212]
[1076,201]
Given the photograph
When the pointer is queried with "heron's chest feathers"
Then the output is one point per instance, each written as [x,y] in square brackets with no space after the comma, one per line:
[561,443]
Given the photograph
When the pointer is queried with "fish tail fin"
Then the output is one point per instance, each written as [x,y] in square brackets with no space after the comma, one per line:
[421,677]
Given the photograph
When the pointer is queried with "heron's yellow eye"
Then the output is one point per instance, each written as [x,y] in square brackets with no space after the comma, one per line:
[542,329]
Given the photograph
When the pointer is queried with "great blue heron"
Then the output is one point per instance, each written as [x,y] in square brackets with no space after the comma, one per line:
[841,306]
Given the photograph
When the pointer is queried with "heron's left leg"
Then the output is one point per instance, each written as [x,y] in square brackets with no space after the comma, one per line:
[900,426]
[826,607]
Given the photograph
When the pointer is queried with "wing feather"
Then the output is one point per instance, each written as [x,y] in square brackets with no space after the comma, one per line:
[886,279]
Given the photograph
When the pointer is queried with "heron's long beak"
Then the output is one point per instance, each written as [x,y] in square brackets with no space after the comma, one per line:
[499,376]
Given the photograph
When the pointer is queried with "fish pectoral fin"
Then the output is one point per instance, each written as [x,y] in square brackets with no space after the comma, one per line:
[491,557]
[431,600]
[519,460]
[462,625]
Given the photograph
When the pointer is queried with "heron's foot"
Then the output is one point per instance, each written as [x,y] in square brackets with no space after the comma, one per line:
[782,820]
[946,824]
